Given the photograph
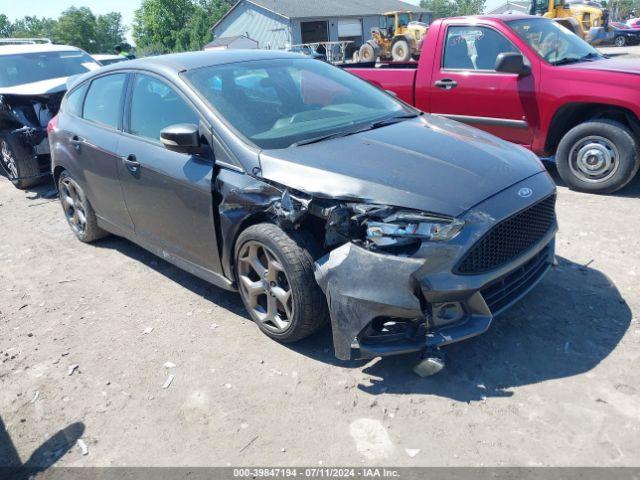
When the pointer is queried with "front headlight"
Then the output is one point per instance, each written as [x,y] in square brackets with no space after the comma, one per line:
[405,229]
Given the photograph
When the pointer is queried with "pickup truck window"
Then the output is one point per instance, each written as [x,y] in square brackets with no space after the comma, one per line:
[281,102]
[553,42]
[474,48]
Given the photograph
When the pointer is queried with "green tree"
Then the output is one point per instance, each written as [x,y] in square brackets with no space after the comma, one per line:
[162,23]
[6,28]
[77,27]
[109,31]
[453,8]
[34,27]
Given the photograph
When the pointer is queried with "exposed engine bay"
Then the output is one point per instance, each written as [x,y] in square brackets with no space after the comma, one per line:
[25,118]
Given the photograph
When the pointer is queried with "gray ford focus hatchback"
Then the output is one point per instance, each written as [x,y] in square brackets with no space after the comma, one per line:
[314,194]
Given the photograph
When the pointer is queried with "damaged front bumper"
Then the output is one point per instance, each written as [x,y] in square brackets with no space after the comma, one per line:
[384,304]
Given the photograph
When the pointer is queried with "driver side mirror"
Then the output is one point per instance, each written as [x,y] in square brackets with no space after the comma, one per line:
[182,138]
[512,62]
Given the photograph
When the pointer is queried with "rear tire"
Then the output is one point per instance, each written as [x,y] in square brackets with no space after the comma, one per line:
[401,51]
[78,210]
[275,277]
[18,162]
[367,53]
[599,156]
[620,41]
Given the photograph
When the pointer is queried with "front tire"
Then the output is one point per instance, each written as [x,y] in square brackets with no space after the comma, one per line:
[275,277]
[620,41]
[78,210]
[18,162]
[599,156]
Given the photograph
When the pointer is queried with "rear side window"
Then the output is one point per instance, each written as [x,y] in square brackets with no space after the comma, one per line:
[155,105]
[474,48]
[74,101]
[102,104]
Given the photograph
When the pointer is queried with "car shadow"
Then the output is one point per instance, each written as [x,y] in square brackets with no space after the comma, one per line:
[223,298]
[632,190]
[566,326]
[43,457]
[43,191]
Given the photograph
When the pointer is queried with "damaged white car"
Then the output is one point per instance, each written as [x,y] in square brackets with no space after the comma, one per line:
[33,80]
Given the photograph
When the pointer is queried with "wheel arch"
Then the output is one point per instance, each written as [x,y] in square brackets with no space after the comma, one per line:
[573,114]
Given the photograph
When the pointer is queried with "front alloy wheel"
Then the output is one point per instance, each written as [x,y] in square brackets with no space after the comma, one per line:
[265,287]
[274,273]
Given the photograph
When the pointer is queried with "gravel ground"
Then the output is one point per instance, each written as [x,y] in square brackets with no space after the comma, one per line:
[554,382]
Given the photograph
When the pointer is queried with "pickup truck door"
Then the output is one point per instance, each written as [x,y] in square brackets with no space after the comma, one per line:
[464,85]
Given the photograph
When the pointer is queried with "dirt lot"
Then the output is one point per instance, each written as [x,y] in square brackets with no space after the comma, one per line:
[556,381]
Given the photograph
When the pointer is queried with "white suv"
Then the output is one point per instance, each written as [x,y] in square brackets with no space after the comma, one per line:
[33,76]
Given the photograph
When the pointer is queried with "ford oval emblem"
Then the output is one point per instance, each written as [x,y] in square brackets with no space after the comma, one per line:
[525,192]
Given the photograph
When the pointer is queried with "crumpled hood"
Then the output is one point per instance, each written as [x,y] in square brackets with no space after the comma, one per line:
[429,163]
[43,87]
[620,65]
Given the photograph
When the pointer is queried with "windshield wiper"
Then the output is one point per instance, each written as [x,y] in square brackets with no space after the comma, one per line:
[589,57]
[322,138]
[371,126]
[394,119]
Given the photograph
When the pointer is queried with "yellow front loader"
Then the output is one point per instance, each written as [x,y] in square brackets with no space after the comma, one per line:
[398,37]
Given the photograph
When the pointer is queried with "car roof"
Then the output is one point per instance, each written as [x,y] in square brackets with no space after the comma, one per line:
[179,62]
[6,49]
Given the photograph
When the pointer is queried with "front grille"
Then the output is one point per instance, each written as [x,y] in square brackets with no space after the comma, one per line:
[506,290]
[510,238]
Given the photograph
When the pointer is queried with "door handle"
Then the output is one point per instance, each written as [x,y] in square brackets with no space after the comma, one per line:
[131,163]
[446,84]
[76,141]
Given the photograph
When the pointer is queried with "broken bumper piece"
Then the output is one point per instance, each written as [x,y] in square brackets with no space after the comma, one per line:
[380,305]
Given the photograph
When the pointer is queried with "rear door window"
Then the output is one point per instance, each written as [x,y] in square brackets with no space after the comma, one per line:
[103,101]
[474,48]
[155,105]
[73,104]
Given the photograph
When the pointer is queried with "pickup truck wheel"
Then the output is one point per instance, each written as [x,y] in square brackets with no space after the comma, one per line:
[367,53]
[620,41]
[18,162]
[275,277]
[78,210]
[599,156]
[401,51]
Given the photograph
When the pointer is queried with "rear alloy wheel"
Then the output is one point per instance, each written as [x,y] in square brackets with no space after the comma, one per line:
[17,162]
[620,41]
[401,52]
[599,156]
[78,210]
[275,277]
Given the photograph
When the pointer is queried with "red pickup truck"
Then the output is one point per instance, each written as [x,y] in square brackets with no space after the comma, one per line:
[528,80]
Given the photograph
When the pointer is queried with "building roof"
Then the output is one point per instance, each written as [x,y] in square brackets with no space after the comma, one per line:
[329,8]
[224,41]
[520,6]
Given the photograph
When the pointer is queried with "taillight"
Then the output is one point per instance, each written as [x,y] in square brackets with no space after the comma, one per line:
[52,125]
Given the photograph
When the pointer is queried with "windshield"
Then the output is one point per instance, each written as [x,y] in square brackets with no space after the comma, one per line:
[281,102]
[552,41]
[24,68]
